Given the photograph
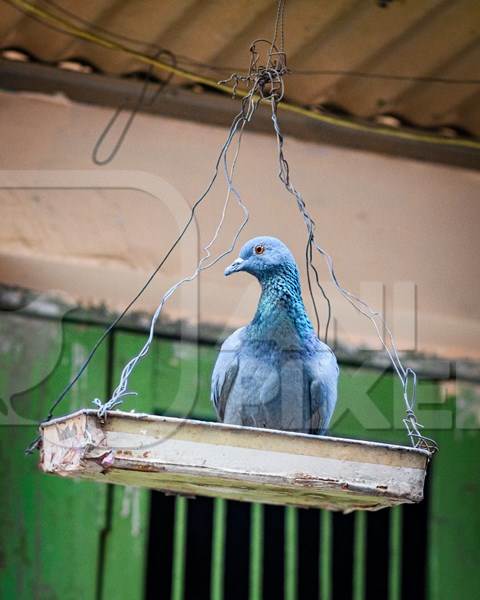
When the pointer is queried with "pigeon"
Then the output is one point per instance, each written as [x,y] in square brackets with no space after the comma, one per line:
[275,373]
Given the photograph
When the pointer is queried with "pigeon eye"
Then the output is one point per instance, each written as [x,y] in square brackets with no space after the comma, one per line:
[259,249]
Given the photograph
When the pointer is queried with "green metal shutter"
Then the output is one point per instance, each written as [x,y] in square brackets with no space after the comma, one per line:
[68,540]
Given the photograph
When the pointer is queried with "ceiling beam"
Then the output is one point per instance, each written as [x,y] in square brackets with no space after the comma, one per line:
[217,109]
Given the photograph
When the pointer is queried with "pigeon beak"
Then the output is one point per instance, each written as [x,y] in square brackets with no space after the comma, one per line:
[234,267]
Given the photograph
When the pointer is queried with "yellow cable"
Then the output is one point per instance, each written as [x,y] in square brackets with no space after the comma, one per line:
[68,27]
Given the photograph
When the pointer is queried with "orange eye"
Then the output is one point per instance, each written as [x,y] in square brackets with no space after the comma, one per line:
[259,249]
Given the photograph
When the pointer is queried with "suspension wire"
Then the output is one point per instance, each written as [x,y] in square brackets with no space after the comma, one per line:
[320,287]
[279,26]
[248,107]
[309,283]
[272,78]
[237,128]
[267,80]
[385,76]
[140,104]
[407,375]
[264,83]
[272,88]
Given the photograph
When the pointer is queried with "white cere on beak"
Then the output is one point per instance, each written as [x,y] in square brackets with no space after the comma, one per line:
[235,266]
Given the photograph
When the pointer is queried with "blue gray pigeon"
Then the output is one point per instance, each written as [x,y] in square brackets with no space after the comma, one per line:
[275,372]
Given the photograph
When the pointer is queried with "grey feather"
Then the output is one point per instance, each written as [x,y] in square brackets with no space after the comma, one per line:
[275,372]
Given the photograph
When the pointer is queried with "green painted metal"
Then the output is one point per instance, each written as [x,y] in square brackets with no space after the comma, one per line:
[454,519]
[395,564]
[256,552]
[359,555]
[125,543]
[325,566]
[291,552]
[69,540]
[179,548]
[365,407]
[218,548]
[173,379]
[50,528]
[125,539]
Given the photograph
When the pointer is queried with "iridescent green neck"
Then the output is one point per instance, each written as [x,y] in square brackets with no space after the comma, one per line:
[280,311]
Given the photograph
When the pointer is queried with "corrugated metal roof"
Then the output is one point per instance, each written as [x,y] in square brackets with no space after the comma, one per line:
[426,38]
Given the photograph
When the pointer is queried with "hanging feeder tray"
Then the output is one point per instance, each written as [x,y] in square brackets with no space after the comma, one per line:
[193,458]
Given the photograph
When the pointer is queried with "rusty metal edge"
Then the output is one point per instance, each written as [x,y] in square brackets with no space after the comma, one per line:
[237,428]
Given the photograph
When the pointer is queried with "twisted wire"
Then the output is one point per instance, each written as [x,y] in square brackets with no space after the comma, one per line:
[265,79]
[249,106]
[279,26]
[406,375]
[264,83]
[268,80]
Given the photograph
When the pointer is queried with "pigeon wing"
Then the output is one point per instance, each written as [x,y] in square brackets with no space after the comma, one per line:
[225,372]
[323,373]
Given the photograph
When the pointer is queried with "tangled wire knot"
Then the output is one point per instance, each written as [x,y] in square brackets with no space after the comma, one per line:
[264,80]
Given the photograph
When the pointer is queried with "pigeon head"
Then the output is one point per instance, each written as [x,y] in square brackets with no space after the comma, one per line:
[262,257]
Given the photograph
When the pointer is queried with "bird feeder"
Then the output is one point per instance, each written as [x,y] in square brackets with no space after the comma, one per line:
[197,458]
[238,463]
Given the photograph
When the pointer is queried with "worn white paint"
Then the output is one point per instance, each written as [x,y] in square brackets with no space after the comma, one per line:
[193,457]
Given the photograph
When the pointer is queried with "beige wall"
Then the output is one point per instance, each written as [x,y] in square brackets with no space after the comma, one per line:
[386,221]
